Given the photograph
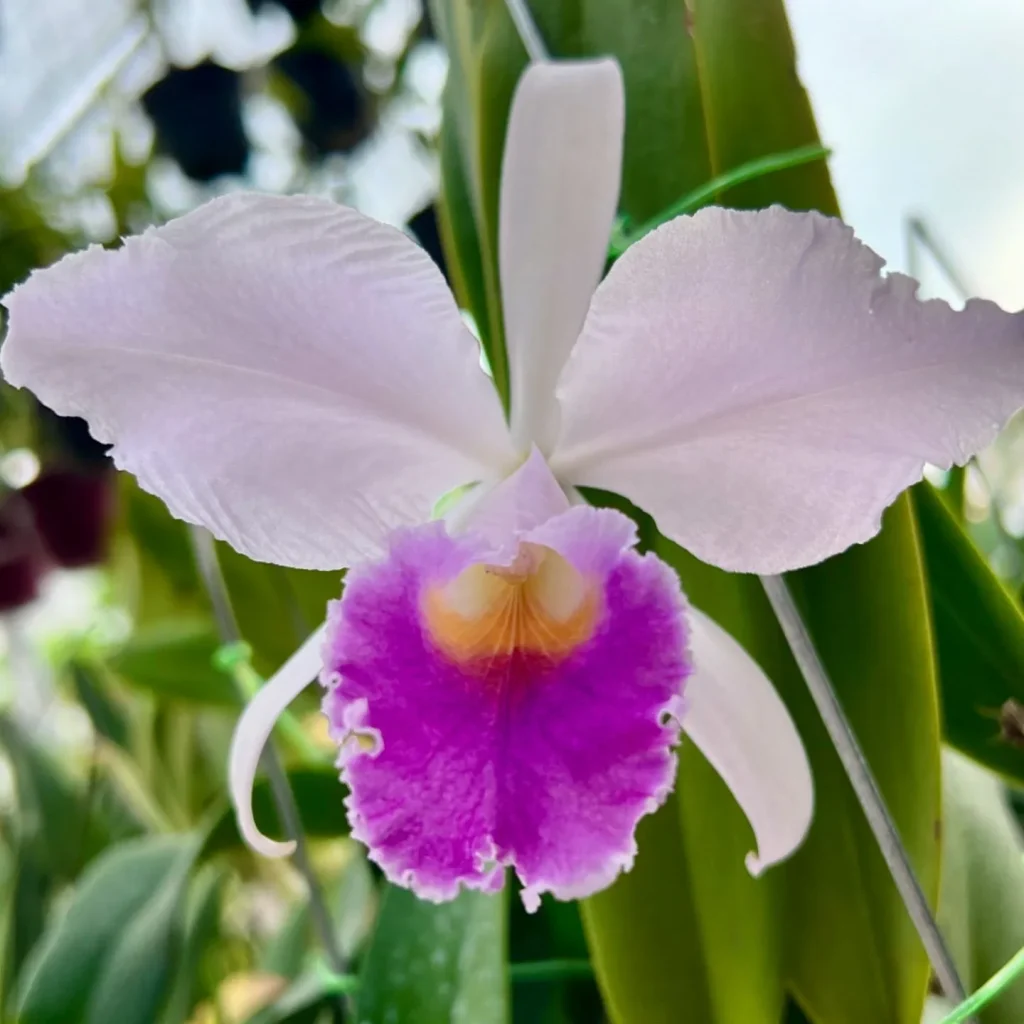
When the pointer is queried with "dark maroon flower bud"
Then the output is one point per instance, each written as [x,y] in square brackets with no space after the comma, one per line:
[73,510]
[197,115]
[22,557]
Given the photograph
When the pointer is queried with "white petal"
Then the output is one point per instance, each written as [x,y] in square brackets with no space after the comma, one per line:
[751,381]
[503,511]
[733,714]
[253,730]
[559,190]
[284,371]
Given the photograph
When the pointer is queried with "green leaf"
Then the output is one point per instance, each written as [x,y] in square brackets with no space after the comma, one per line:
[644,934]
[202,929]
[111,956]
[276,608]
[285,953]
[979,634]
[27,896]
[174,661]
[458,226]
[153,561]
[754,103]
[108,715]
[552,977]
[436,963]
[853,952]
[319,795]
[52,823]
[982,906]
[303,1000]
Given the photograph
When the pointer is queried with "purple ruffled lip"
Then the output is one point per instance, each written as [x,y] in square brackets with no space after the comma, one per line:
[540,754]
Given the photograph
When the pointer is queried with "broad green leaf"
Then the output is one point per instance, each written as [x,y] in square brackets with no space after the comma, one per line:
[111,956]
[319,795]
[138,976]
[174,661]
[979,636]
[436,963]
[981,909]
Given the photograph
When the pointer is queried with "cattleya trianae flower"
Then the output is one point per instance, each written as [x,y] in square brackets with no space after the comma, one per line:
[507,684]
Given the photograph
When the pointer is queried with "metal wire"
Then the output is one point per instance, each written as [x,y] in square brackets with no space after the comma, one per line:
[864,786]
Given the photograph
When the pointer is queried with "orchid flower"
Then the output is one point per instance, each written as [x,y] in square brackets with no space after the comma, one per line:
[507,684]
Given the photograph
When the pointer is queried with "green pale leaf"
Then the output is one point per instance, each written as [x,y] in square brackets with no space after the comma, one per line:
[320,798]
[981,910]
[436,963]
[111,956]
[174,660]
[979,635]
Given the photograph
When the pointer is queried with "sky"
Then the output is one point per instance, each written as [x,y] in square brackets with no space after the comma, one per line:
[923,104]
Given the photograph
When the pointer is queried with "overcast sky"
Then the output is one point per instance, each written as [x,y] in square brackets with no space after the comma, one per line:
[923,102]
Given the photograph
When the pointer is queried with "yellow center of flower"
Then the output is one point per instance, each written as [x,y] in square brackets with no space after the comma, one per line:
[540,604]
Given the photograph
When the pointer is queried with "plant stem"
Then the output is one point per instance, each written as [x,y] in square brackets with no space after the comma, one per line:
[622,239]
[1004,977]
[550,970]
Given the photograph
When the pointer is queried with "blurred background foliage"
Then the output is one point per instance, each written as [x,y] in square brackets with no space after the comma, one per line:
[126,893]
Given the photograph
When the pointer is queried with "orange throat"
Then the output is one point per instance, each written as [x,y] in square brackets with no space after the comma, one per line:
[539,605]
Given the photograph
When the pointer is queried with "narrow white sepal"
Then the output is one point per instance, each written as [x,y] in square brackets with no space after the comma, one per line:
[739,722]
[254,729]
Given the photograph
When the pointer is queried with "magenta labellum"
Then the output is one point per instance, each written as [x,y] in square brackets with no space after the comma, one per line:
[518,714]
